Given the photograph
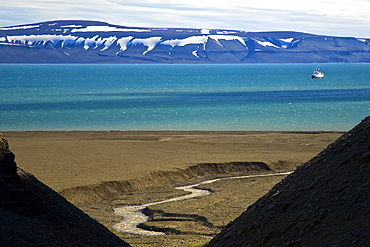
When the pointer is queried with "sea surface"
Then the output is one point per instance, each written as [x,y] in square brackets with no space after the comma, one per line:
[183,97]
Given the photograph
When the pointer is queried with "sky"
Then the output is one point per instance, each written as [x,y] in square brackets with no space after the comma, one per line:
[346,18]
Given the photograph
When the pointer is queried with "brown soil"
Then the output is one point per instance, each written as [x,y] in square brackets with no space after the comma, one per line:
[65,160]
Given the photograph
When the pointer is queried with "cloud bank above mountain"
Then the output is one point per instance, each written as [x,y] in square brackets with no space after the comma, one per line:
[330,17]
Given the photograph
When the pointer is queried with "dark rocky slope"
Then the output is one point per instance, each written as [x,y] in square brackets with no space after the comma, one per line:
[31,214]
[73,41]
[325,202]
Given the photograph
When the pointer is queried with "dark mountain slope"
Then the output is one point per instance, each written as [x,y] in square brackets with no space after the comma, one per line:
[325,202]
[73,41]
[31,214]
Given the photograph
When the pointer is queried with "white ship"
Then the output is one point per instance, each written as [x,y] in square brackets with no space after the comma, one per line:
[317,74]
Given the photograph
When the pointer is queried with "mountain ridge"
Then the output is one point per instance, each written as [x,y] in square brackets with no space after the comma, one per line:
[79,41]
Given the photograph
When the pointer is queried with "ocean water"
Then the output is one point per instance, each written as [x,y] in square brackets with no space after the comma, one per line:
[183,97]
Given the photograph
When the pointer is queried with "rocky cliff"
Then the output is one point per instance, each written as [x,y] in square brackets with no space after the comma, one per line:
[325,202]
[31,214]
[98,42]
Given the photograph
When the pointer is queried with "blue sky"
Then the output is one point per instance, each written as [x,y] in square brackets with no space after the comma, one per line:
[328,17]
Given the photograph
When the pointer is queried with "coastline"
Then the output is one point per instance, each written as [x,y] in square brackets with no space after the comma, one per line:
[67,159]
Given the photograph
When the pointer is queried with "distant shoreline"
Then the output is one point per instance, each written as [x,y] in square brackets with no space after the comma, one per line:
[163,132]
[150,135]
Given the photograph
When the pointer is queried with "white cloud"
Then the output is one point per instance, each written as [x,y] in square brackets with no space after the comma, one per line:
[332,17]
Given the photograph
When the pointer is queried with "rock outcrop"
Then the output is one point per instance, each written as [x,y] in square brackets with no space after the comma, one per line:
[8,167]
[325,202]
[31,214]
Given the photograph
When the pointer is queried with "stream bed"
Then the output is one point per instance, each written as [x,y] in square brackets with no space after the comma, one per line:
[133,215]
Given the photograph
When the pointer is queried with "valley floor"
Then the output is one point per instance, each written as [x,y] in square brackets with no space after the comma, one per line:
[69,161]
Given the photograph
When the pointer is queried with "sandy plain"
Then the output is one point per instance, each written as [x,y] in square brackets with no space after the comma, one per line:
[66,160]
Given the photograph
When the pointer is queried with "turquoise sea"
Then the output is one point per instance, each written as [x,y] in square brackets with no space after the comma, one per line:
[183,97]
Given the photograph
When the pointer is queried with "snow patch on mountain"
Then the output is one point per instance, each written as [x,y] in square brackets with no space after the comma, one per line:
[90,42]
[122,42]
[62,40]
[364,40]
[287,40]
[150,42]
[18,27]
[266,43]
[205,31]
[42,39]
[226,32]
[71,26]
[107,29]
[186,41]
[227,37]
[108,42]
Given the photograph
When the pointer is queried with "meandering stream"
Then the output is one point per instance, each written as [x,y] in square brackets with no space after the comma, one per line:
[133,215]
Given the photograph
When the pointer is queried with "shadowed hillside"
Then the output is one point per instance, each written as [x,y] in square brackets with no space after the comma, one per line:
[31,214]
[325,202]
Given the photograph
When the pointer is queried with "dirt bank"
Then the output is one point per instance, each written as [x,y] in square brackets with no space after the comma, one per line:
[113,189]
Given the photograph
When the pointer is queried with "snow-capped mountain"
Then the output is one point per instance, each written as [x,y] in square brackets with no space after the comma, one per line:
[99,42]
